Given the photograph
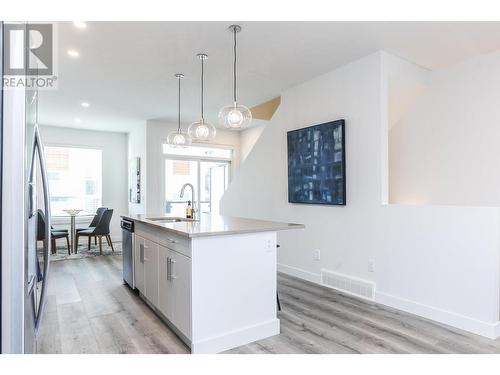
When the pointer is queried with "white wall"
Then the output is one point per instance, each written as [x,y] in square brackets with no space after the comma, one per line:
[439,262]
[444,150]
[137,148]
[156,135]
[114,164]
[248,138]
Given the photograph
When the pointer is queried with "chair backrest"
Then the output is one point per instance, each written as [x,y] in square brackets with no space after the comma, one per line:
[102,227]
[40,225]
[97,216]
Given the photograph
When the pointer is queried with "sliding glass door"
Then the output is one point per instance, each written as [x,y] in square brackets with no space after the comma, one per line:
[214,180]
[210,179]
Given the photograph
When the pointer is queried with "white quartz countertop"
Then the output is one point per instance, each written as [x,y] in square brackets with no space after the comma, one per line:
[213,225]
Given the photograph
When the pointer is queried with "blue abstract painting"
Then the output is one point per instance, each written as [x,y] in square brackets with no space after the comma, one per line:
[316,164]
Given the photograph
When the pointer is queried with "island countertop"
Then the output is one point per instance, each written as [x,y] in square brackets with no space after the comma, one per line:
[212,225]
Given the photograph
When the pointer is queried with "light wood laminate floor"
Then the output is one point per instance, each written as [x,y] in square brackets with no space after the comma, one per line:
[89,310]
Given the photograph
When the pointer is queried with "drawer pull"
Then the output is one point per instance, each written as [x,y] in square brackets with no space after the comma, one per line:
[172,276]
[171,240]
[168,269]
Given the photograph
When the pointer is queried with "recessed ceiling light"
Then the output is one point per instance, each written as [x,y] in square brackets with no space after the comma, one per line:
[77,120]
[80,24]
[73,53]
[85,104]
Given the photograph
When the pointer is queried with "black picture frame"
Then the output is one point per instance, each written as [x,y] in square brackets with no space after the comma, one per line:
[316,164]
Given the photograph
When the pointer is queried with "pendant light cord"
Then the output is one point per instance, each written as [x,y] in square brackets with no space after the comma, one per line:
[202,76]
[179,108]
[234,67]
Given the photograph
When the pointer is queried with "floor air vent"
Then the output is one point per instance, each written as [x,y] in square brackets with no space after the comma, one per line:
[348,284]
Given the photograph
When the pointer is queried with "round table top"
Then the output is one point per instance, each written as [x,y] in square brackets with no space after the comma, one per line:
[65,214]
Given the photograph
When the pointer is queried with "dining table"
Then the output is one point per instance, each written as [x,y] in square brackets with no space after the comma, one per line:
[73,214]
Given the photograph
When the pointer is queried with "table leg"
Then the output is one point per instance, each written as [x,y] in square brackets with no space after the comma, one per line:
[73,234]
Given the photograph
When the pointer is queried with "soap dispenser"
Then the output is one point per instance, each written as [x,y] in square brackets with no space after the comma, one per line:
[189,211]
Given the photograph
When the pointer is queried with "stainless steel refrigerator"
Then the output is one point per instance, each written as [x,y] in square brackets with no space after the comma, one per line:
[24,268]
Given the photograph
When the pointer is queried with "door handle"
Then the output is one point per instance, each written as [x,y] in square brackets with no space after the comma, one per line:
[37,147]
[172,276]
[141,253]
[31,182]
[168,269]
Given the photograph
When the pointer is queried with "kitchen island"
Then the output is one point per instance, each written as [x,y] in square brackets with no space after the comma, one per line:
[212,280]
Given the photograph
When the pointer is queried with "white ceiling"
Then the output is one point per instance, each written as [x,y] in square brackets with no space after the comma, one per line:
[126,69]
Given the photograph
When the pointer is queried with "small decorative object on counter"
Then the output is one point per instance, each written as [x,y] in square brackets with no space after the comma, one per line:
[189,211]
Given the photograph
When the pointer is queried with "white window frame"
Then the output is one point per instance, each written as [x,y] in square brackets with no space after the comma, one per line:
[80,220]
[198,160]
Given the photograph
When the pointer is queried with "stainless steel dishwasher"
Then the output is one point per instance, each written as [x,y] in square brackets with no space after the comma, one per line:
[128,251]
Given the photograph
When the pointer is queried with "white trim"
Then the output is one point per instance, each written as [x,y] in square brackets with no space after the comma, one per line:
[233,339]
[203,144]
[71,145]
[198,161]
[58,219]
[487,329]
[497,330]
[14,220]
[300,273]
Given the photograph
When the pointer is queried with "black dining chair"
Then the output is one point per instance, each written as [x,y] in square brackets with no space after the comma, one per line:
[100,230]
[54,233]
[94,221]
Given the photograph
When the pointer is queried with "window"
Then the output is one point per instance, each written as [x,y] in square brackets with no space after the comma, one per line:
[199,151]
[75,178]
[206,168]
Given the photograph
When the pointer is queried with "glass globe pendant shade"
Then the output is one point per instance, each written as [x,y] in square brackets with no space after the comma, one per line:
[178,139]
[202,131]
[235,116]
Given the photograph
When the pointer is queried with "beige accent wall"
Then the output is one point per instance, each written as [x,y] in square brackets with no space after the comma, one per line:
[265,111]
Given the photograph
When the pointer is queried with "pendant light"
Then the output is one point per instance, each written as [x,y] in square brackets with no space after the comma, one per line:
[178,138]
[235,116]
[202,130]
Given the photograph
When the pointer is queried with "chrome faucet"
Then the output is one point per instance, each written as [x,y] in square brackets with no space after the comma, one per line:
[192,197]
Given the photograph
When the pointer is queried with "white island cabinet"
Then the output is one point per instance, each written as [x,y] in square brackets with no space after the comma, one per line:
[213,281]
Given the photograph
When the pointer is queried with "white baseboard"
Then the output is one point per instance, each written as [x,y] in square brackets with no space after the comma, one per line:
[486,329]
[300,273]
[236,338]
[497,330]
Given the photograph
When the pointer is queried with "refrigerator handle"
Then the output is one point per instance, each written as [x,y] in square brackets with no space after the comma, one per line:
[31,183]
[48,243]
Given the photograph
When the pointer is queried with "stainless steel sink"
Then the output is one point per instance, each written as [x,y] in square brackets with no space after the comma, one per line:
[169,219]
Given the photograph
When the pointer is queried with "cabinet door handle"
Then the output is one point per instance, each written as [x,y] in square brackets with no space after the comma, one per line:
[141,253]
[168,269]
[172,276]
[171,240]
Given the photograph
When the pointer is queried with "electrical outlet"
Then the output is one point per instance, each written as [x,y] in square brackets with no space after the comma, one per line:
[317,254]
[371,265]
[269,248]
